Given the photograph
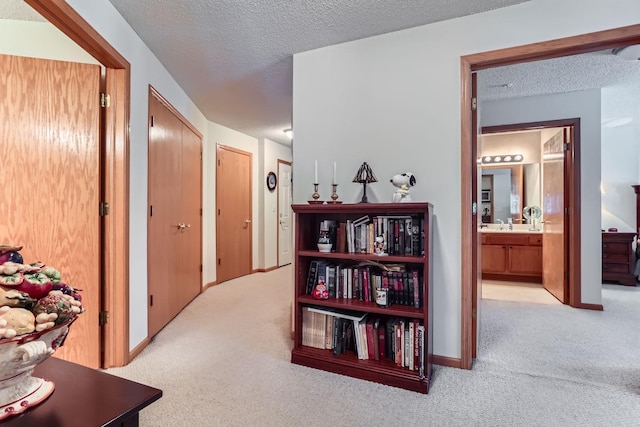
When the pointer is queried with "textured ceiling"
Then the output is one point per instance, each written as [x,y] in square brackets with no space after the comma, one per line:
[566,74]
[234,57]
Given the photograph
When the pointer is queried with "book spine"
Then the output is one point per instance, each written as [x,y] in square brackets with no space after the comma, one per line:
[407,236]
[417,289]
[312,276]
[415,236]
[382,344]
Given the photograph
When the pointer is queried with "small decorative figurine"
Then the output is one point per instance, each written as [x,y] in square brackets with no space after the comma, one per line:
[402,181]
[379,246]
[320,291]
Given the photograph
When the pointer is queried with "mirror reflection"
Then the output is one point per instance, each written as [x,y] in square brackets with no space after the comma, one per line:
[508,187]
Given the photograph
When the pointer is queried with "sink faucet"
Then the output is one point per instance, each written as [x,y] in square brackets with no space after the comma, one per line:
[501,222]
[510,221]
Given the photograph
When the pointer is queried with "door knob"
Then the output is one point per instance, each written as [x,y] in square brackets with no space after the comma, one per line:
[188,225]
[181,226]
[248,221]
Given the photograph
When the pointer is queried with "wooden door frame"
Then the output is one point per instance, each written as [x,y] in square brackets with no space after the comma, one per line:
[244,153]
[115,176]
[280,161]
[607,39]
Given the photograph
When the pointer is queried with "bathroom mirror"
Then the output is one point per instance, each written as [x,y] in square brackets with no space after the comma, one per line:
[507,189]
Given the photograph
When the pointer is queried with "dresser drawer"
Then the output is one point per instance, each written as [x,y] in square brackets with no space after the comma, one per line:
[615,257]
[618,247]
[615,268]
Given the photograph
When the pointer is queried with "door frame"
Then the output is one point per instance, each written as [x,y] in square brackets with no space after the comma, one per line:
[280,161]
[607,39]
[115,176]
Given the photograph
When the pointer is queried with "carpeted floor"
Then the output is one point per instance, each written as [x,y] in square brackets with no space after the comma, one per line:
[225,361]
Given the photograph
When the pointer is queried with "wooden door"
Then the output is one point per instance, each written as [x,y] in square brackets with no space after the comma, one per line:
[49,143]
[285,235]
[190,238]
[554,277]
[175,226]
[234,225]
[165,136]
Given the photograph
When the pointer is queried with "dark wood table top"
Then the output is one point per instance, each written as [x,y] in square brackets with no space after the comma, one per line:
[84,397]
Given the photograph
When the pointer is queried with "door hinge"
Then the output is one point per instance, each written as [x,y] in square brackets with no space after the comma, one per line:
[218,162]
[565,146]
[151,121]
[200,268]
[474,103]
[200,211]
[150,300]
[219,261]
[105,100]
[103,318]
[218,211]
[104,208]
[201,155]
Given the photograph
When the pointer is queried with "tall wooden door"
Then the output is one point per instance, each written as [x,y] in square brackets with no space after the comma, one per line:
[174,226]
[50,175]
[234,224]
[285,234]
[554,250]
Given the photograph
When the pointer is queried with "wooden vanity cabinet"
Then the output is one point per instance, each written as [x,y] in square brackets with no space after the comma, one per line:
[512,256]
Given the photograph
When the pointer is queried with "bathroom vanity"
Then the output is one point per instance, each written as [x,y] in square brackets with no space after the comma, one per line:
[512,255]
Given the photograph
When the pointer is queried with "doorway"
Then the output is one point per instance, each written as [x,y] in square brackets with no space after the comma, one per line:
[608,39]
[115,174]
[534,167]
[285,217]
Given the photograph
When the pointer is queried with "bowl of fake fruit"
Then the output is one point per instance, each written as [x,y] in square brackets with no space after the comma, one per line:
[36,310]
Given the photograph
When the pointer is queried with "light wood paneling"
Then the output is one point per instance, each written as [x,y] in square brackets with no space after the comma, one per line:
[50,137]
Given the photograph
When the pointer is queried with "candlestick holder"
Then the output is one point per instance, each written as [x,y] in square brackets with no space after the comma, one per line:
[334,195]
[315,196]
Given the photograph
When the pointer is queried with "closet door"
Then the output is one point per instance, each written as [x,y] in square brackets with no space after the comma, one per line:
[175,202]
[165,188]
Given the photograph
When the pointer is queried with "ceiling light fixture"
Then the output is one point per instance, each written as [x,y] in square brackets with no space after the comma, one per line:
[506,158]
[289,133]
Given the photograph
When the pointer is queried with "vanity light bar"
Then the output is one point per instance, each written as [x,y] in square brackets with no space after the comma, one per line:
[503,158]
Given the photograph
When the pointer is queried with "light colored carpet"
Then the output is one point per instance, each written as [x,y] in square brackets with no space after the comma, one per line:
[225,361]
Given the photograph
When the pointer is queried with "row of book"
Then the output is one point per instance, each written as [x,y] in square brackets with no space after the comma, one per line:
[398,339]
[401,235]
[365,283]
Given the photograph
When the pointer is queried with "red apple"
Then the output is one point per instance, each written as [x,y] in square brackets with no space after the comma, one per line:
[36,285]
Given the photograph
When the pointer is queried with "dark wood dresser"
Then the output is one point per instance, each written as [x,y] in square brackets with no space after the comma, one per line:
[617,258]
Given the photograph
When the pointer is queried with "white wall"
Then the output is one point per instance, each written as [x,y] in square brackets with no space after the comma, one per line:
[620,156]
[145,70]
[586,106]
[394,101]
[39,40]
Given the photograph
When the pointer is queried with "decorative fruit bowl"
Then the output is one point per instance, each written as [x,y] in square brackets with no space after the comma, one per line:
[36,311]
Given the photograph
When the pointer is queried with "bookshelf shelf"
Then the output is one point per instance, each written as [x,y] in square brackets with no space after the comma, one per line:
[361,306]
[411,309]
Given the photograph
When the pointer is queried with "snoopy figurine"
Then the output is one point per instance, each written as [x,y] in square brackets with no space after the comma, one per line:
[402,181]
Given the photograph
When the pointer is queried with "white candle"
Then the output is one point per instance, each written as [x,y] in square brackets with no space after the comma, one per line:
[334,172]
[315,176]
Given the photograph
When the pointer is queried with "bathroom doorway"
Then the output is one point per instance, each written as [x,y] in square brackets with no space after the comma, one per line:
[514,161]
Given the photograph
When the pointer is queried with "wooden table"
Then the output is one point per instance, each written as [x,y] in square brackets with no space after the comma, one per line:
[85,397]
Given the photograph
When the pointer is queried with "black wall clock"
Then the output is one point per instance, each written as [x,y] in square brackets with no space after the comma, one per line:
[272,181]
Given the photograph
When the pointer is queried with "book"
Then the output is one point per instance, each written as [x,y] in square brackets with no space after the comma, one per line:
[408,236]
[382,342]
[343,314]
[312,276]
[331,280]
[341,238]
[417,289]
[371,350]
